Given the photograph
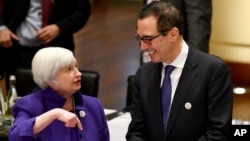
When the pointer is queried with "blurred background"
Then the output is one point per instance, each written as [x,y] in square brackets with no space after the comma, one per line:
[107,45]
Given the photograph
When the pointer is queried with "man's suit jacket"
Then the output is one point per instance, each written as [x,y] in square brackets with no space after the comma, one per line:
[197,15]
[69,15]
[205,83]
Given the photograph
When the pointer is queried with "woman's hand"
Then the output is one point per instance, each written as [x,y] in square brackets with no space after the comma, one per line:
[69,119]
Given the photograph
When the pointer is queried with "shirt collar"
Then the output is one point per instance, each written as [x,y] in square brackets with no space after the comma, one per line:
[54,100]
[180,60]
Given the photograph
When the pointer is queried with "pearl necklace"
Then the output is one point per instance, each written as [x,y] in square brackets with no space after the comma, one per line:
[73,104]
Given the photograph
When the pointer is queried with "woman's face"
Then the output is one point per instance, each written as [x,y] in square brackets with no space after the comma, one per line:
[68,80]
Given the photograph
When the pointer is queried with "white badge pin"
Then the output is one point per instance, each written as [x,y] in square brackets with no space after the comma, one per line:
[82,114]
[188,105]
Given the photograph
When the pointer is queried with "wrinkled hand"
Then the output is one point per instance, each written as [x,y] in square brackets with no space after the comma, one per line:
[48,33]
[6,37]
[69,119]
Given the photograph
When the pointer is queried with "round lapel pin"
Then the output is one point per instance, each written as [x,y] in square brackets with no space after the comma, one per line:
[188,105]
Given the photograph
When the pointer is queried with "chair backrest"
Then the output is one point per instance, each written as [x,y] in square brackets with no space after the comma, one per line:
[130,91]
[90,82]
[25,83]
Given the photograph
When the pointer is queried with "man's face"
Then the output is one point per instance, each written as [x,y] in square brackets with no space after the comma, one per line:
[151,41]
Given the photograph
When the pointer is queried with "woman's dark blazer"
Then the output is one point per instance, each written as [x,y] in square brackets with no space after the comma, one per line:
[69,15]
[205,83]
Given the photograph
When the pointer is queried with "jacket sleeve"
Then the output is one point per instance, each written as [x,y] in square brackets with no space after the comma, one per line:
[220,98]
[76,15]
[136,129]
[22,128]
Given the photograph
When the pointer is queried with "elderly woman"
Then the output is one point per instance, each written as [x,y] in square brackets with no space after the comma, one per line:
[58,112]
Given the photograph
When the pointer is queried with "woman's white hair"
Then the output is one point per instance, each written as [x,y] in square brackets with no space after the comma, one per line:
[47,62]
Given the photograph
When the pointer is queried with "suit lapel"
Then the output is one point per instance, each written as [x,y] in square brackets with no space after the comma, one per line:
[182,90]
[154,98]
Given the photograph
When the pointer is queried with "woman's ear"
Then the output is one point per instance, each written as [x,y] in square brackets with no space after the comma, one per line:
[51,83]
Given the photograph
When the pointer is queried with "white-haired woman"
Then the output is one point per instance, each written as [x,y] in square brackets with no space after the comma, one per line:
[58,112]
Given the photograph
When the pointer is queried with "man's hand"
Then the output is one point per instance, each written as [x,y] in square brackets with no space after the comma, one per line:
[48,33]
[6,37]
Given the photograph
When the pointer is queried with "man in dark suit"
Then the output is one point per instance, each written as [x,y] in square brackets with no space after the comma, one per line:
[201,87]
[22,32]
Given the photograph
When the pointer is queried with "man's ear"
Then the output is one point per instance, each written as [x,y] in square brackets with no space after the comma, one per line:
[174,33]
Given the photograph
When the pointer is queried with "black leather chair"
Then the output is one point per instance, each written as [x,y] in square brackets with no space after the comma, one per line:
[130,91]
[24,82]
[90,82]
[26,85]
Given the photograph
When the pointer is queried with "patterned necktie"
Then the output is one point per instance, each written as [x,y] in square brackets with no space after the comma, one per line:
[46,10]
[166,94]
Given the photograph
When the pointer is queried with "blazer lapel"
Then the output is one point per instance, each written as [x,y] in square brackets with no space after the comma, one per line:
[154,98]
[183,88]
